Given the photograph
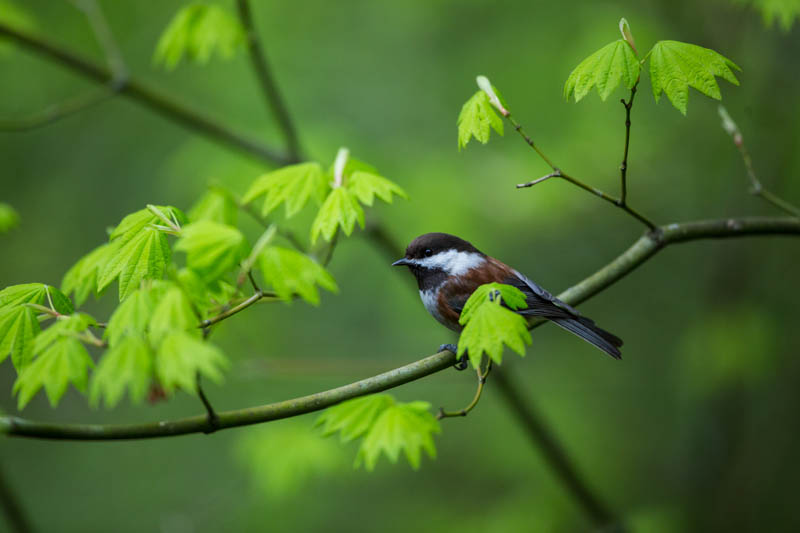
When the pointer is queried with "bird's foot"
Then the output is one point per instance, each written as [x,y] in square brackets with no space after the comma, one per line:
[463,361]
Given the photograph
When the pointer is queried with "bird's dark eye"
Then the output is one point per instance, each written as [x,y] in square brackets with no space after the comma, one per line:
[428,252]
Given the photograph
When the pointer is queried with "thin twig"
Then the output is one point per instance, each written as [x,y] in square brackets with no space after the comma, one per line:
[55,112]
[15,513]
[647,246]
[168,107]
[556,174]
[757,188]
[555,455]
[233,310]
[212,418]
[273,96]
[563,175]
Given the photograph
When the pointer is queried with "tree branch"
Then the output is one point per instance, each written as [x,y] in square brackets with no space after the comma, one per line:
[273,96]
[643,249]
[141,93]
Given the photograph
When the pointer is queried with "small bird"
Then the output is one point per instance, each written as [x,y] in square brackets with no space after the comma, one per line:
[449,269]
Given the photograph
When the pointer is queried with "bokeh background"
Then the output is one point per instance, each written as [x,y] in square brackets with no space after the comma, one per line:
[695,429]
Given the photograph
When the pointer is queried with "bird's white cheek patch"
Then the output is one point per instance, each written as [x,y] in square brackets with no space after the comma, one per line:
[453,262]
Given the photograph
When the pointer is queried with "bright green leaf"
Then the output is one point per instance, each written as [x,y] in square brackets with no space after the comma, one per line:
[402,427]
[181,357]
[605,69]
[488,326]
[293,185]
[341,209]
[138,251]
[366,185]
[69,326]
[290,272]
[217,205]
[127,365]
[212,249]
[62,362]
[18,327]
[676,66]
[355,417]
[197,31]
[81,279]
[14,295]
[9,219]
[476,119]
[173,312]
[131,317]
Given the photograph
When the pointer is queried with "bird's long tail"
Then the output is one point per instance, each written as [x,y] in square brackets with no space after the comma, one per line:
[588,331]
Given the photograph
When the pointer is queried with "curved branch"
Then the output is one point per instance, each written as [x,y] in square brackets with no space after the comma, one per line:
[141,93]
[641,251]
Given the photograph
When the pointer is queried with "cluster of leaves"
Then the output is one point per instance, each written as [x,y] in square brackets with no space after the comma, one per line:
[154,338]
[9,218]
[340,197]
[490,323]
[674,67]
[385,426]
[785,12]
[198,31]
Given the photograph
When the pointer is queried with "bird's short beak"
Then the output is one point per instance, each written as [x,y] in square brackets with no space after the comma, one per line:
[401,262]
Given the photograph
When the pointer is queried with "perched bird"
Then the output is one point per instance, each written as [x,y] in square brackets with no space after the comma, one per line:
[449,269]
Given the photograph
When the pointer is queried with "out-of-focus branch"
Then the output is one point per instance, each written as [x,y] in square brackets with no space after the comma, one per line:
[137,91]
[273,96]
[554,454]
[637,254]
[15,514]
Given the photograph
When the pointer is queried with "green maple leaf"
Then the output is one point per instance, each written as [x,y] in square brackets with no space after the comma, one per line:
[173,312]
[59,359]
[367,185]
[488,326]
[217,205]
[676,66]
[137,250]
[293,185]
[605,69]
[132,316]
[198,31]
[35,293]
[290,272]
[18,327]
[402,427]
[181,357]
[476,119]
[353,418]
[127,365]
[341,209]
[212,249]
[81,279]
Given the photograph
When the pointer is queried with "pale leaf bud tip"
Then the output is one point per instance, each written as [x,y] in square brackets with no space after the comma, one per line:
[728,124]
[338,166]
[486,86]
[627,36]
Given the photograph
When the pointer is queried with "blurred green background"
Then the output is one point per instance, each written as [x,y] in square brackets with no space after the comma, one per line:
[695,429]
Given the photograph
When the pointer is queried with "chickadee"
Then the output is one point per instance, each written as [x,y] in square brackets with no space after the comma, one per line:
[449,269]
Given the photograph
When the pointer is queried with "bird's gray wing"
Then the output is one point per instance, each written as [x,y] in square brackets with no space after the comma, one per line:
[540,302]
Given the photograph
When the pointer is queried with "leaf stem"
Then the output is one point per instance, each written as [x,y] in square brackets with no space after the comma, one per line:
[481,383]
